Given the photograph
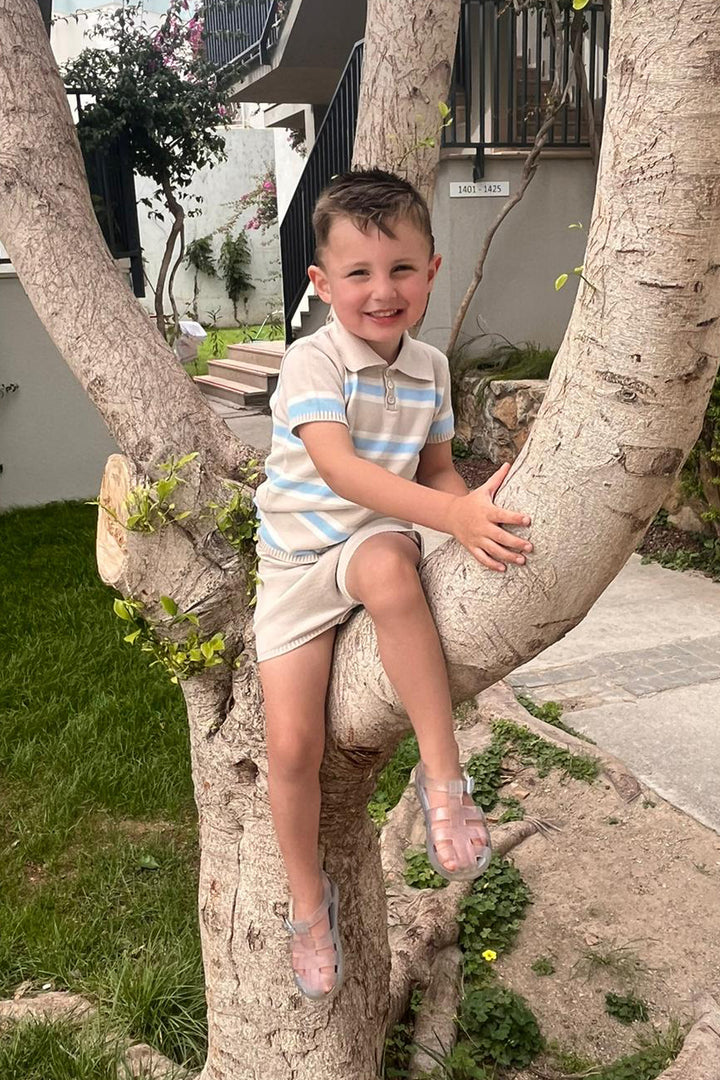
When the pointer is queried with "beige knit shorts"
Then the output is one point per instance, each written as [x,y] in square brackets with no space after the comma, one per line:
[296,602]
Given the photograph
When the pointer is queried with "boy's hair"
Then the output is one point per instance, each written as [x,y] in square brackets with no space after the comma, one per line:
[370,197]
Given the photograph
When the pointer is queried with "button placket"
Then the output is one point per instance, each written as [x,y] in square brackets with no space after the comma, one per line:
[390,399]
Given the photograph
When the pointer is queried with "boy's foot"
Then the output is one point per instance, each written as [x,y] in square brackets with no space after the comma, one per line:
[458,841]
[316,949]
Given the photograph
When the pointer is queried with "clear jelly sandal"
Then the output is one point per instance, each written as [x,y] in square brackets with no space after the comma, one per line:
[456,822]
[310,966]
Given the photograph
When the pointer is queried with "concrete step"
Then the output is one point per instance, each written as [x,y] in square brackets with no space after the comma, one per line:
[236,393]
[313,318]
[260,353]
[260,375]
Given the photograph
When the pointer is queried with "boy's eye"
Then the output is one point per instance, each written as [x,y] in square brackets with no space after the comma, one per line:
[404,266]
[354,273]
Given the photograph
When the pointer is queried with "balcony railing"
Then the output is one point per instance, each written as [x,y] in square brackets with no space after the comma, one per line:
[504,68]
[112,190]
[331,154]
[242,33]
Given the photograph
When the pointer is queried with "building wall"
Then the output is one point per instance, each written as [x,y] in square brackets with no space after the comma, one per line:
[250,152]
[75,20]
[516,298]
[53,444]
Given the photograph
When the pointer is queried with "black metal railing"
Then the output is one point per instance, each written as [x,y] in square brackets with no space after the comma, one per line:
[241,33]
[112,190]
[504,68]
[331,154]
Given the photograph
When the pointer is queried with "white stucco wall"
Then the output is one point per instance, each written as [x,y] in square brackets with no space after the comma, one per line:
[74,21]
[249,151]
[289,167]
[516,298]
[53,444]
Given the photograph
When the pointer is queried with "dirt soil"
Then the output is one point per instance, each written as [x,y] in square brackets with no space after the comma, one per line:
[625,900]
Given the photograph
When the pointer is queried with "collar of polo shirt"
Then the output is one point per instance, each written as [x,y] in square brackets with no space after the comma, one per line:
[356,354]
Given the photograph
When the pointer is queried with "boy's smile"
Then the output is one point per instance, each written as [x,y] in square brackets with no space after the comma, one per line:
[378,285]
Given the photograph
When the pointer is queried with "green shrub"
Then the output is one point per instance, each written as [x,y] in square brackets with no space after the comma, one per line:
[500,1026]
[626,1009]
[491,914]
[419,873]
[393,780]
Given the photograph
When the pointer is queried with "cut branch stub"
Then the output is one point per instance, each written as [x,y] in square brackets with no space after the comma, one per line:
[118,481]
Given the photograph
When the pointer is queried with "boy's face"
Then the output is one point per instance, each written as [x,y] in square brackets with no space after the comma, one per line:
[378,285]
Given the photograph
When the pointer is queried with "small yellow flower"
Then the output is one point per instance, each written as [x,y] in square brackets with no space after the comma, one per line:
[490,955]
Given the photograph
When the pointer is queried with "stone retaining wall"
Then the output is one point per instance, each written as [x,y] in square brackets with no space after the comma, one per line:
[495,418]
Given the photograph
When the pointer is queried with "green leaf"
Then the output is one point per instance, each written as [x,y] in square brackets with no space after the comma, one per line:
[181,462]
[132,637]
[444,112]
[578,5]
[575,225]
[147,862]
[121,610]
[169,604]
[560,281]
[207,650]
[578,269]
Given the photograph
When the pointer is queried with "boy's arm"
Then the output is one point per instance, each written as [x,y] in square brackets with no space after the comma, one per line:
[436,469]
[473,519]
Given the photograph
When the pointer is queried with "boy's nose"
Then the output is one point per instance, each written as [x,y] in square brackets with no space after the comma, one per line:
[384,288]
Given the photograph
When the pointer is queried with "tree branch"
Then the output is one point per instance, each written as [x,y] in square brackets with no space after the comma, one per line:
[699,1058]
[49,228]
[435,1021]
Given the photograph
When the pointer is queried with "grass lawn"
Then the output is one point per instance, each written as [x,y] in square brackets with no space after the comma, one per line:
[207,349]
[98,837]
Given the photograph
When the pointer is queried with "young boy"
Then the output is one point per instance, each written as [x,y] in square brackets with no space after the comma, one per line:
[362,429]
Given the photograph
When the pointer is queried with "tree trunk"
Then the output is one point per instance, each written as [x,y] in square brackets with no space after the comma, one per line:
[176,229]
[624,407]
[407,64]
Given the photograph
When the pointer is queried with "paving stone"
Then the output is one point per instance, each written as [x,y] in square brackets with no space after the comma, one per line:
[605,664]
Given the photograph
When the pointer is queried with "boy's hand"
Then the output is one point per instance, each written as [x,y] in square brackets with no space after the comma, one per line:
[475,522]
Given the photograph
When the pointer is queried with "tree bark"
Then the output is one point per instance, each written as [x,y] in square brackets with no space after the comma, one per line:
[699,1058]
[624,407]
[407,64]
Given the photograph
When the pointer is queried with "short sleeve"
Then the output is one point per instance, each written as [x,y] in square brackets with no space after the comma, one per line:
[443,422]
[311,387]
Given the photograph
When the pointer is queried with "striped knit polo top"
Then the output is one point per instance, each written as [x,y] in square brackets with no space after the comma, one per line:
[391,411]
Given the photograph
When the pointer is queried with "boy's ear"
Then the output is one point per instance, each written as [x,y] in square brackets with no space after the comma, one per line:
[319,280]
[433,267]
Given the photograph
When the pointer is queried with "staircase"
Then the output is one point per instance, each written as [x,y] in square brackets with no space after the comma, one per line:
[248,376]
[310,314]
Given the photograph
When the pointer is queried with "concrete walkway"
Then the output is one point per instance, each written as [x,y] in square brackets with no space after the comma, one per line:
[640,675]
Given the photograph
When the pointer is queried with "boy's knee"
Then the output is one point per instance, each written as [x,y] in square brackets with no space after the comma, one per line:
[388,579]
[295,754]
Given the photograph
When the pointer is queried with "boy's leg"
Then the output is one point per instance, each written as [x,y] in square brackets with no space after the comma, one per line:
[382,575]
[294,687]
